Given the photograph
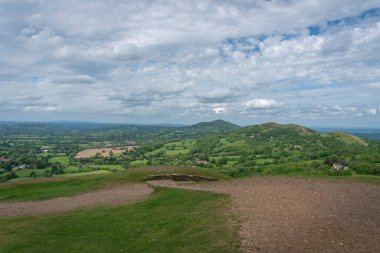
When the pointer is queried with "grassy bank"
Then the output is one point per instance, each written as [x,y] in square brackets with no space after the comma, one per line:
[171,220]
[38,189]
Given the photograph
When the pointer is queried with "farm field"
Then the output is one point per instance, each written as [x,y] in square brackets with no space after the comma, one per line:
[103,152]
[65,160]
[173,148]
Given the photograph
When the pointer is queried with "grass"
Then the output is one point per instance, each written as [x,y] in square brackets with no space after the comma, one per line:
[171,220]
[38,189]
[26,172]
[138,163]
[76,169]
[84,173]
[109,167]
[179,148]
[45,189]
[154,152]
[177,152]
[64,160]
[89,168]
[264,161]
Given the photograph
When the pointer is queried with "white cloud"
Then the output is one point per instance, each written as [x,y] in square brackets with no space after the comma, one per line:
[220,110]
[36,108]
[170,61]
[372,111]
[261,103]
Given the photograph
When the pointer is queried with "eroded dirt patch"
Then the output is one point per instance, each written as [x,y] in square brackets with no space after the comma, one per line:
[298,215]
[118,195]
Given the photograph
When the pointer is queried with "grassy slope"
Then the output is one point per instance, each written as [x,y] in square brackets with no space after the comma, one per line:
[171,221]
[50,188]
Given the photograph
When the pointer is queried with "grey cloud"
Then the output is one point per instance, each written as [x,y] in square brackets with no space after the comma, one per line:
[76,79]
[218,95]
[337,43]
[148,96]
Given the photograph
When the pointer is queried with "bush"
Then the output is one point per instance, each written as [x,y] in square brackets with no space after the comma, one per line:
[8,177]
[333,172]
[335,159]
[33,174]
[362,167]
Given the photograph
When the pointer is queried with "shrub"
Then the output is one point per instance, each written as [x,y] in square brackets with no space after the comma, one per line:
[333,172]
[33,174]
[335,159]
[363,167]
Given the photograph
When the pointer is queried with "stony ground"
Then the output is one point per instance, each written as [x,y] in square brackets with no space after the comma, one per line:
[111,196]
[278,214]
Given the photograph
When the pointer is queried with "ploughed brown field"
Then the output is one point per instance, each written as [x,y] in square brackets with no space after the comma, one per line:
[104,152]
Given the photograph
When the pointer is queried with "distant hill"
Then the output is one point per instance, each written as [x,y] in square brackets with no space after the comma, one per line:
[275,129]
[272,129]
[216,125]
[348,138]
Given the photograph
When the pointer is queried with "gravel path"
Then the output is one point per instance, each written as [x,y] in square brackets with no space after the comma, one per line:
[111,196]
[278,214]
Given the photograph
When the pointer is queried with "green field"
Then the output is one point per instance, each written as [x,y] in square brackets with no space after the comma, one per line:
[26,172]
[138,163]
[107,167]
[177,152]
[84,173]
[174,148]
[64,160]
[76,169]
[170,221]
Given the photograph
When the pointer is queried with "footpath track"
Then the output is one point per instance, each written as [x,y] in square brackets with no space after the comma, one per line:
[118,195]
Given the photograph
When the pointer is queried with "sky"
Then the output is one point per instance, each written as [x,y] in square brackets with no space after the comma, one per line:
[310,62]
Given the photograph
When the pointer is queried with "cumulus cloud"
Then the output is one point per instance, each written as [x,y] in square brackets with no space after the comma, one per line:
[220,110]
[261,103]
[372,111]
[189,61]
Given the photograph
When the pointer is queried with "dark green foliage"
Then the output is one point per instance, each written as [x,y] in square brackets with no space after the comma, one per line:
[335,159]
[33,174]
[342,172]
[363,167]
[8,177]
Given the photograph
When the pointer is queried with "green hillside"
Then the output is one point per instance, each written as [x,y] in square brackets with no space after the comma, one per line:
[349,138]
[269,148]
[216,125]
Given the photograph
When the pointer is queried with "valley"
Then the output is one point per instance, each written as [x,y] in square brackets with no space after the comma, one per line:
[278,188]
